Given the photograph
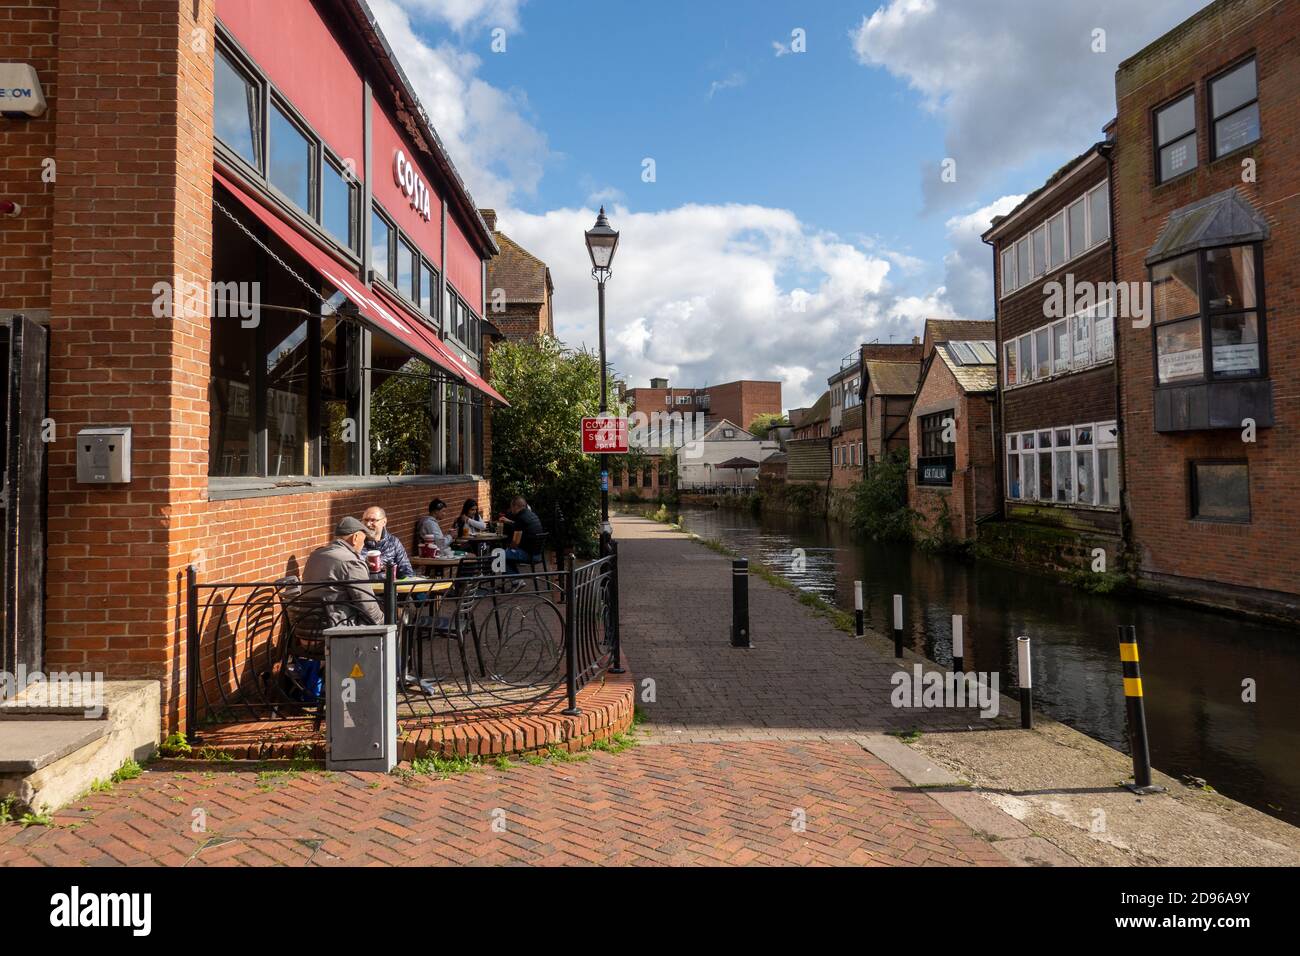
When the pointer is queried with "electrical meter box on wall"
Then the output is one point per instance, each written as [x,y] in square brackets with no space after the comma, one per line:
[104,456]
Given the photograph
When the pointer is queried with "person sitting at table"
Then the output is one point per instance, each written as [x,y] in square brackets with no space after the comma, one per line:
[429,527]
[525,527]
[468,521]
[341,560]
[390,549]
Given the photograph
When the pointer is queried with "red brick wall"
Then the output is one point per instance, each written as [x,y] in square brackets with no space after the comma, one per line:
[131,208]
[974,481]
[28,34]
[741,402]
[1265,553]
[849,469]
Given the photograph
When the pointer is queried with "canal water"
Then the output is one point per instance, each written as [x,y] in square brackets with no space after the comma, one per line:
[1194,662]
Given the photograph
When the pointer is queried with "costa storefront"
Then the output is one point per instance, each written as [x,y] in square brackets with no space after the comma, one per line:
[326,353]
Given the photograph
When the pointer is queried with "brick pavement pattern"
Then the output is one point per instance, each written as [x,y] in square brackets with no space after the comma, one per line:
[749,757]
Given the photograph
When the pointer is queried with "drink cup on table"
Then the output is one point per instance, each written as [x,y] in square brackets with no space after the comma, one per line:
[375,561]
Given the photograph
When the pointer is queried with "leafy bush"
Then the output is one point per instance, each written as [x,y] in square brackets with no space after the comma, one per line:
[880,501]
[537,441]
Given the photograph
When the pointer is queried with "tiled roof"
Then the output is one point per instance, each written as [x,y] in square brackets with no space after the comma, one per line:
[820,411]
[893,378]
[516,270]
[946,330]
[971,378]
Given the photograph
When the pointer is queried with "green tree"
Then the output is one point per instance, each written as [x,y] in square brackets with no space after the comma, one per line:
[880,501]
[537,441]
[764,423]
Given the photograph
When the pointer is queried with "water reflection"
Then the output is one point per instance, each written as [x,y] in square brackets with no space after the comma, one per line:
[1193,662]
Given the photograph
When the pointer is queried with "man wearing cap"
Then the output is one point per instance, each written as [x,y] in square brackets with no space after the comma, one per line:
[341,560]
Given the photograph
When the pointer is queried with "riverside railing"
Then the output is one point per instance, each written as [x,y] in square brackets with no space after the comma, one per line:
[479,640]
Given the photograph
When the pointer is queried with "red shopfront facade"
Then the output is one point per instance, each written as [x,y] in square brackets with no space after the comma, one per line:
[337,362]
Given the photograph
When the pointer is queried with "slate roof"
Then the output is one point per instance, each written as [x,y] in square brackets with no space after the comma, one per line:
[1227,218]
[893,378]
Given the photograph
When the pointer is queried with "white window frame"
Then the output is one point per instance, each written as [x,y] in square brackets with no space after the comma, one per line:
[1026,447]
[1009,261]
[1078,360]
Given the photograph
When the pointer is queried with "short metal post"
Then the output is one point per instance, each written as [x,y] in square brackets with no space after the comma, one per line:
[617,662]
[570,639]
[898,625]
[1025,677]
[390,594]
[191,653]
[859,624]
[958,646]
[1137,713]
[740,603]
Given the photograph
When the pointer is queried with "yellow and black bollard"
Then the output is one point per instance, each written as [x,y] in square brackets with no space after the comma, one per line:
[1137,716]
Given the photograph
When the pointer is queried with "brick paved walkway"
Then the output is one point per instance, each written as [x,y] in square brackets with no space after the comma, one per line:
[749,757]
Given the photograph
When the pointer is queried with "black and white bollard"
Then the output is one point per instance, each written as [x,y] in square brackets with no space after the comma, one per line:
[958,656]
[740,603]
[859,624]
[898,625]
[1026,679]
[1137,712]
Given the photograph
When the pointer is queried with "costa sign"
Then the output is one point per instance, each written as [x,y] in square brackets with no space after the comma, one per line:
[415,188]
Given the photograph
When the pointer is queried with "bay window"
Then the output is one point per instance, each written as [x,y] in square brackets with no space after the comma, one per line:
[1213,296]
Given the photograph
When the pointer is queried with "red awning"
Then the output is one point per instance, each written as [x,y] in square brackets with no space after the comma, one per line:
[376,308]
[448,358]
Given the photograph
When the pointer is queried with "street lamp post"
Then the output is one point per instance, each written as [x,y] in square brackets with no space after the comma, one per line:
[602,241]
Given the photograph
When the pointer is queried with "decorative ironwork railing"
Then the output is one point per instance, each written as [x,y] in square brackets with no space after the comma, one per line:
[474,641]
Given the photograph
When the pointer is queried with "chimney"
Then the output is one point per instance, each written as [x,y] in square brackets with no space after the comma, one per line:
[489,217]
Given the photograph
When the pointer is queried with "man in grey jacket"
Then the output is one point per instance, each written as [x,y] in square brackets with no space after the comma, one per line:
[341,560]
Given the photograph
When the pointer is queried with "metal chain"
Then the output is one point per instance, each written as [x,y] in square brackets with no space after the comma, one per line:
[271,252]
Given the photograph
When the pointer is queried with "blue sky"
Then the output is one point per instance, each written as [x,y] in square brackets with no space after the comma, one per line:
[797,207]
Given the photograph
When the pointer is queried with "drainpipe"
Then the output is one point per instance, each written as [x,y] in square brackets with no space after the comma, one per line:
[999,456]
[1107,151]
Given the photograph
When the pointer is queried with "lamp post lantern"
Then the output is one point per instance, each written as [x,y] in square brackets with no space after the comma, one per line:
[602,242]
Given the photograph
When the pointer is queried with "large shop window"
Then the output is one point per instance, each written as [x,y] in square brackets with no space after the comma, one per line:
[279,149]
[1220,491]
[1208,296]
[403,398]
[1077,229]
[937,458]
[1075,465]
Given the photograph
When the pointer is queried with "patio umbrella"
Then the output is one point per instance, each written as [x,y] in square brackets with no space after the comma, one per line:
[738,464]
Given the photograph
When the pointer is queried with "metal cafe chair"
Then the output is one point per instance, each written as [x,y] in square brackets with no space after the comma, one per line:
[538,558]
[452,619]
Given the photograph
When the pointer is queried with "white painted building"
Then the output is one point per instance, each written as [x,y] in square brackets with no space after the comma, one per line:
[699,462]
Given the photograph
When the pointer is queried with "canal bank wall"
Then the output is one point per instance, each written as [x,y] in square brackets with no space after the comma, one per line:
[1051,794]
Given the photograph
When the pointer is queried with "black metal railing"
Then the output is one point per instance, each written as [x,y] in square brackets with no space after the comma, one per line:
[718,489]
[478,640]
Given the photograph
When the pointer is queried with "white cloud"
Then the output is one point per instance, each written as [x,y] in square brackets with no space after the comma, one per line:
[486,130]
[968,264]
[731,82]
[467,15]
[1010,85]
[698,296]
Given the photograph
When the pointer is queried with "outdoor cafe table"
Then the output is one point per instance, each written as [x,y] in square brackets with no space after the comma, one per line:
[440,566]
[413,586]
[479,538]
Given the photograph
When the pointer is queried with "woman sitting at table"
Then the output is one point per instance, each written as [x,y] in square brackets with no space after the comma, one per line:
[469,520]
[428,530]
